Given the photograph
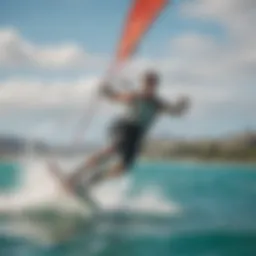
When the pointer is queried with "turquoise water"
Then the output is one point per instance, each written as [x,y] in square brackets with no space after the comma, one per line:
[216,216]
[9,176]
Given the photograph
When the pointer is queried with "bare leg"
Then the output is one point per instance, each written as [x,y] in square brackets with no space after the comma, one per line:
[92,162]
[115,171]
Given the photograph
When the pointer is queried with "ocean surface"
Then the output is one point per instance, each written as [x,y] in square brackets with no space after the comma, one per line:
[174,208]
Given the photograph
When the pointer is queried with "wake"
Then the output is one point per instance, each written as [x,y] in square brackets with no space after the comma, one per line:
[38,188]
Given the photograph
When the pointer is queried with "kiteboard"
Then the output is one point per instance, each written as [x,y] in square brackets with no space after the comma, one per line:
[80,192]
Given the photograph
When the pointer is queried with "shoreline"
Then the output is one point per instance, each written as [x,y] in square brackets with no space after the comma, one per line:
[192,160]
[199,161]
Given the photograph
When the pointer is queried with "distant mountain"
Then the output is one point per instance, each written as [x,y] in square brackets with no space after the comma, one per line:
[236,147]
[13,145]
[10,144]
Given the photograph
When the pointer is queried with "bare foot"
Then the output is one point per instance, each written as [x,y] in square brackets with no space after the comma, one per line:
[68,183]
[71,182]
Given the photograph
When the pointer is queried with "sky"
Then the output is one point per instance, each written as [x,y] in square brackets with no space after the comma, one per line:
[53,53]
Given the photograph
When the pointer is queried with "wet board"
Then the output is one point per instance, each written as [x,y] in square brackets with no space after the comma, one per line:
[80,192]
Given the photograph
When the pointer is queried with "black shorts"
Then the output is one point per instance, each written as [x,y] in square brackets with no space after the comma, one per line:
[127,137]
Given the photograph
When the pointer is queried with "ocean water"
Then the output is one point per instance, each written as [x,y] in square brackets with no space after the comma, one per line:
[174,208]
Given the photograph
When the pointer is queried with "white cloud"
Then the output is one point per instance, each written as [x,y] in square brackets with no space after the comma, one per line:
[37,93]
[237,17]
[78,94]
[234,14]
[15,51]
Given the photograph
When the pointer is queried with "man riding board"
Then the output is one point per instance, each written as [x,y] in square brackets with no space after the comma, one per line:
[129,132]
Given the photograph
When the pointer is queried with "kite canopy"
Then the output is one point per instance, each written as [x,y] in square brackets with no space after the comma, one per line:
[141,16]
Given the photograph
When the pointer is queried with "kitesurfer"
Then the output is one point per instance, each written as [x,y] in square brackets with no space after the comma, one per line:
[129,132]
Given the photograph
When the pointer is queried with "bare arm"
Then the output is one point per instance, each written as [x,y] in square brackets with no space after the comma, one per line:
[176,109]
[122,97]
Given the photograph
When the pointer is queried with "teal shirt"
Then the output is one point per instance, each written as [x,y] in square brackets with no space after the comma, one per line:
[143,111]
